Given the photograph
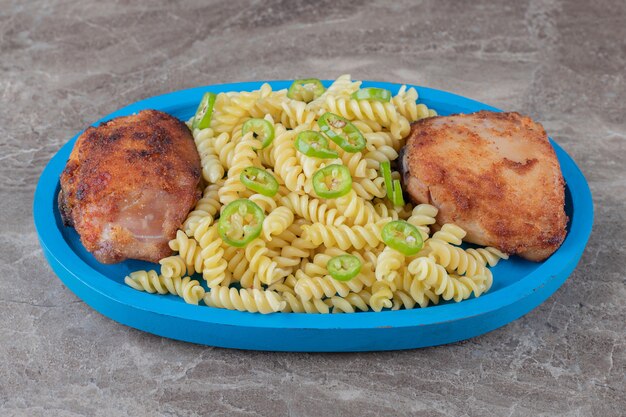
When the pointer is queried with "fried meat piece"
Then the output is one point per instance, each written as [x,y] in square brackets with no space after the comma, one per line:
[493,174]
[128,185]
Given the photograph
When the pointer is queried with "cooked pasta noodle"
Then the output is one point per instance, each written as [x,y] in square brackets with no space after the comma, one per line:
[422,217]
[357,210]
[389,262]
[448,286]
[252,300]
[488,255]
[208,206]
[173,266]
[455,259]
[312,209]
[285,268]
[277,222]
[189,290]
[342,236]
[287,165]
[212,168]
[450,233]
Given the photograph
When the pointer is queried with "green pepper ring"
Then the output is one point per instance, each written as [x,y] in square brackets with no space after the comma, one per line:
[204,112]
[403,237]
[344,267]
[251,232]
[352,142]
[260,127]
[341,181]
[372,93]
[314,144]
[259,180]
[298,85]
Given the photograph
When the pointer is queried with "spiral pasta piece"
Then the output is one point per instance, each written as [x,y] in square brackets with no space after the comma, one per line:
[402,299]
[342,236]
[423,216]
[261,264]
[212,168]
[287,165]
[269,103]
[277,222]
[382,294]
[312,209]
[355,164]
[488,255]
[208,205]
[384,211]
[450,233]
[449,287]
[225,148]
[212,254]
[343,86]
[310,165]
[296,305]
[422,294]
[380,112]
[245,156]
[380,154]
[231,109]
[351,302]
[455,259]
[173,266]
[406,104]
[390,261]
[357,210]
[285,238]
[252,300]
[299,247]
[295,113]
[189,251]
[318,287]
[189,290]
[368,189]
[236,262]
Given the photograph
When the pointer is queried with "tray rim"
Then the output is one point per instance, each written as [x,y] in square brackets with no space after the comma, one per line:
[74,268]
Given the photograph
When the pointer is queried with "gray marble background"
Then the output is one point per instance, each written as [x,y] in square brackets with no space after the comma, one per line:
[65,64]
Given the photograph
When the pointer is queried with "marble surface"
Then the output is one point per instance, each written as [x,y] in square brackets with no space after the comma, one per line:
[65,64]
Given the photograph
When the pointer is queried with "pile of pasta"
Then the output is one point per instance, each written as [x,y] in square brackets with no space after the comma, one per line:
[285,268]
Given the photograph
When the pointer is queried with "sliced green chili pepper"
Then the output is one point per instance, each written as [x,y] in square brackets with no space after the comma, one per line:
[314,144]
[344,267]
[393,187]
[403,237]
[332,181]
[385,168]
[397,198]
[262,130]
[376,94]
[202,119]
[342,132]
[259,180]
[307,89]
[240,222]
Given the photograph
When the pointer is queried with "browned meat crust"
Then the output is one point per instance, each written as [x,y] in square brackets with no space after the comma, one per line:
[128,185]
[494,174]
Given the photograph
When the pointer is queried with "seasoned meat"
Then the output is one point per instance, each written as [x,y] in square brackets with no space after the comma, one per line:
[494,174]
[128,185]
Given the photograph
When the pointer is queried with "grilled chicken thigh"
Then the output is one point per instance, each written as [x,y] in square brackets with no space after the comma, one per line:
[494,174]
[128,185]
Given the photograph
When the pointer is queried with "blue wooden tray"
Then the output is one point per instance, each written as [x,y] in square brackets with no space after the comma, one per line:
[519,286]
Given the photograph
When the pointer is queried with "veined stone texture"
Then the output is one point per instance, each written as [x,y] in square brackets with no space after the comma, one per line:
[65,64]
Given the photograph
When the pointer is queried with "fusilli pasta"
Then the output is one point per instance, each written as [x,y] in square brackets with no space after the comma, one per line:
[285,266]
